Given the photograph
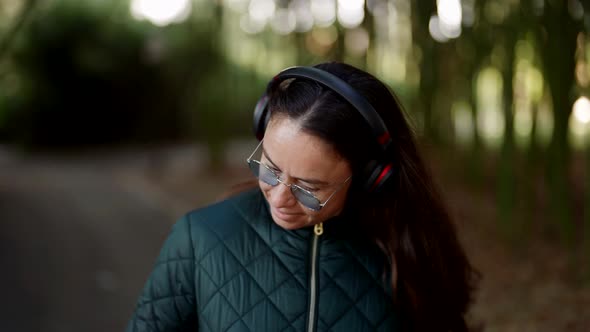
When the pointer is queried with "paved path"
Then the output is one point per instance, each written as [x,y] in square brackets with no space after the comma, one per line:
[78,237]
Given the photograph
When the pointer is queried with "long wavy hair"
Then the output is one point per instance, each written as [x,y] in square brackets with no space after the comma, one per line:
[429,271]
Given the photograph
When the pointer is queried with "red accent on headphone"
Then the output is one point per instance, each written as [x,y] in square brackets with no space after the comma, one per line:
[383,138]
[381,176]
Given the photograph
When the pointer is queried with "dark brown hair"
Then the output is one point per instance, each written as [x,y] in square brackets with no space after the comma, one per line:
[432,276]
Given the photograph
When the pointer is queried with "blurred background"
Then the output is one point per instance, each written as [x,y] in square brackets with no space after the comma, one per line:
[119,116]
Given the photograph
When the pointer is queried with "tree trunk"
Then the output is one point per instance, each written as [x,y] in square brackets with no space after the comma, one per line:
[558,54]
[421,12]
[507,182]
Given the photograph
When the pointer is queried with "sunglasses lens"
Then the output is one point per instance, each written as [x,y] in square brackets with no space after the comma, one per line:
[254,167]
[263,174]
[267,176]
[305,198]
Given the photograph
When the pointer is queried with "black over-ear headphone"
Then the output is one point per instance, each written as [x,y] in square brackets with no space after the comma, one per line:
[379,170]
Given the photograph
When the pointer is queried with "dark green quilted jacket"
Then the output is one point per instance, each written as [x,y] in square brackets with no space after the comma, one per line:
[229,267]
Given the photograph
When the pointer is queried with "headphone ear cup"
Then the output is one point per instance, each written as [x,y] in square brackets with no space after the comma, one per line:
[377,176]
[261,116]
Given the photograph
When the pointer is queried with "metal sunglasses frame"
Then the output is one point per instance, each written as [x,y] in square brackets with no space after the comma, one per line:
[292,186]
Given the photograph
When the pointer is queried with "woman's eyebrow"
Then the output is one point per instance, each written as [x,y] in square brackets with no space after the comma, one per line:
[310,181]
[270,160]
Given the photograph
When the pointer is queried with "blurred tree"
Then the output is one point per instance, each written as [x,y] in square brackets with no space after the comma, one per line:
[89,76]
[17,23]
[429,69]
[473,50]
[509,31]
[557,31]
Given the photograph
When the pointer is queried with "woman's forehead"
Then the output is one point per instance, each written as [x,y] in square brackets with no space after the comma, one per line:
[295,151]
[287,133]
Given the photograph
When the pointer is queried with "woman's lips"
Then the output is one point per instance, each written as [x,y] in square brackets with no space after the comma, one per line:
[285,216]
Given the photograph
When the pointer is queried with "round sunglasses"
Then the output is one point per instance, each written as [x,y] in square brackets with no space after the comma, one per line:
[265,174]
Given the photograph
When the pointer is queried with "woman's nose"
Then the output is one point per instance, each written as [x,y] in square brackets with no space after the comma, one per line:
[281,196]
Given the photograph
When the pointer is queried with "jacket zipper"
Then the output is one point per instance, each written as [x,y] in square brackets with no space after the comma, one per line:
[318,230]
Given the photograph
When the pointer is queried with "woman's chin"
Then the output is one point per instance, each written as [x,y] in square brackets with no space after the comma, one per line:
[289,222]
[287,225]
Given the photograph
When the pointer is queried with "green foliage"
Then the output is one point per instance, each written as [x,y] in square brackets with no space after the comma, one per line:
[87,77]
[85,72]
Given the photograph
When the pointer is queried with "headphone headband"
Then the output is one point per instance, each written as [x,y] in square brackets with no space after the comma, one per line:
[378,171]
[344,90]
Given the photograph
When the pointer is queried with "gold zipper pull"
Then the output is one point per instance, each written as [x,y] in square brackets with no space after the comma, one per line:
[318,229]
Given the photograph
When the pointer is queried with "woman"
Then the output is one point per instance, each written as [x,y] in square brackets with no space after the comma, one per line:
[344,232]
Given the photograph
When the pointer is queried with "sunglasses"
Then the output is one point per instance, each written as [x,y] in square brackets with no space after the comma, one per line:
[265,174]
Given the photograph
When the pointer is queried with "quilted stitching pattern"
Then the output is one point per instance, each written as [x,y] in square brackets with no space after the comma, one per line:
[251,282]
[222,270]
[168,298]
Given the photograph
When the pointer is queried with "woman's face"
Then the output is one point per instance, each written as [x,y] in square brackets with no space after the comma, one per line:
[309,162]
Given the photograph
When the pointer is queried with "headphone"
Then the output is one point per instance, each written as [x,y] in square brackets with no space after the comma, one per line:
[376,172]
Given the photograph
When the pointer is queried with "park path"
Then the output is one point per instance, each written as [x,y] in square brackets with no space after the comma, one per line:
[79,234]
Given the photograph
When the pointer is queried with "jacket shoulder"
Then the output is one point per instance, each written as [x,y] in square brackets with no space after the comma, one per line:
[198,242]
[239,214]
[242,207]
